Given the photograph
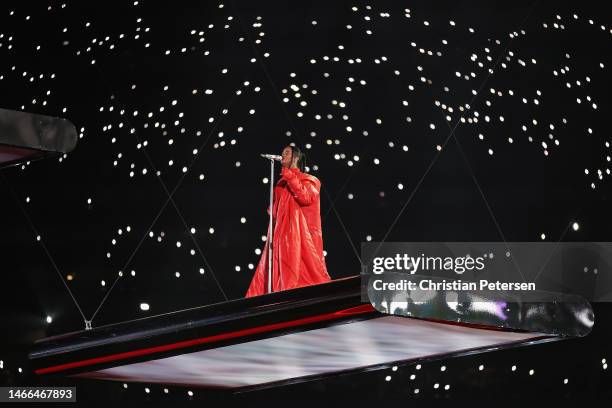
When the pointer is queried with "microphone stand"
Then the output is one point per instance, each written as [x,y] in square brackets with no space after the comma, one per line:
[270,231]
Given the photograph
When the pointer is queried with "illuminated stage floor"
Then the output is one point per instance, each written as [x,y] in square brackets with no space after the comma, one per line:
[285,337]
[338,348]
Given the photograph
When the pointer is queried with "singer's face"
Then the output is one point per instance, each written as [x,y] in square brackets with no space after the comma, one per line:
[286,157]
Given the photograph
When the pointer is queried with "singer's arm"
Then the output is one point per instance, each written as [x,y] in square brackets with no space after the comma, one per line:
[304,191]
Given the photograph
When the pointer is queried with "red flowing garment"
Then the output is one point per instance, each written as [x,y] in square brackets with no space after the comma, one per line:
[297,255]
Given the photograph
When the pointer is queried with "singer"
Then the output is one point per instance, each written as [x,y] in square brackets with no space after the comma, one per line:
[297,241]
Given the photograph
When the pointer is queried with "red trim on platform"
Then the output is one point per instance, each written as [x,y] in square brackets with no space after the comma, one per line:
[365,308]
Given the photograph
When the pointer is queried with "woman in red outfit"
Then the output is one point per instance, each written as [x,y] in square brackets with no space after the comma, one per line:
[297,255]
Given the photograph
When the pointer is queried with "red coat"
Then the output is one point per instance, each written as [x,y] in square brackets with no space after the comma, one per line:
[297,256]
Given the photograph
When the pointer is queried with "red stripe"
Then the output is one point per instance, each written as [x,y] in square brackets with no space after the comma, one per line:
[365,308]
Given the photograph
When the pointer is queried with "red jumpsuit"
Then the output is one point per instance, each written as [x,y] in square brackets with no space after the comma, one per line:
[297,256]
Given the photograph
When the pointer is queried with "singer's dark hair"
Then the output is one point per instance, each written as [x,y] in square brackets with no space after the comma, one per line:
[296,152]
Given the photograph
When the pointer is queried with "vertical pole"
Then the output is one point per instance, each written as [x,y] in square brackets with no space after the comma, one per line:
[270,231]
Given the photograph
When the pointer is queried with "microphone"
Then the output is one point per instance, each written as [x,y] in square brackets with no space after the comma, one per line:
[271,157]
